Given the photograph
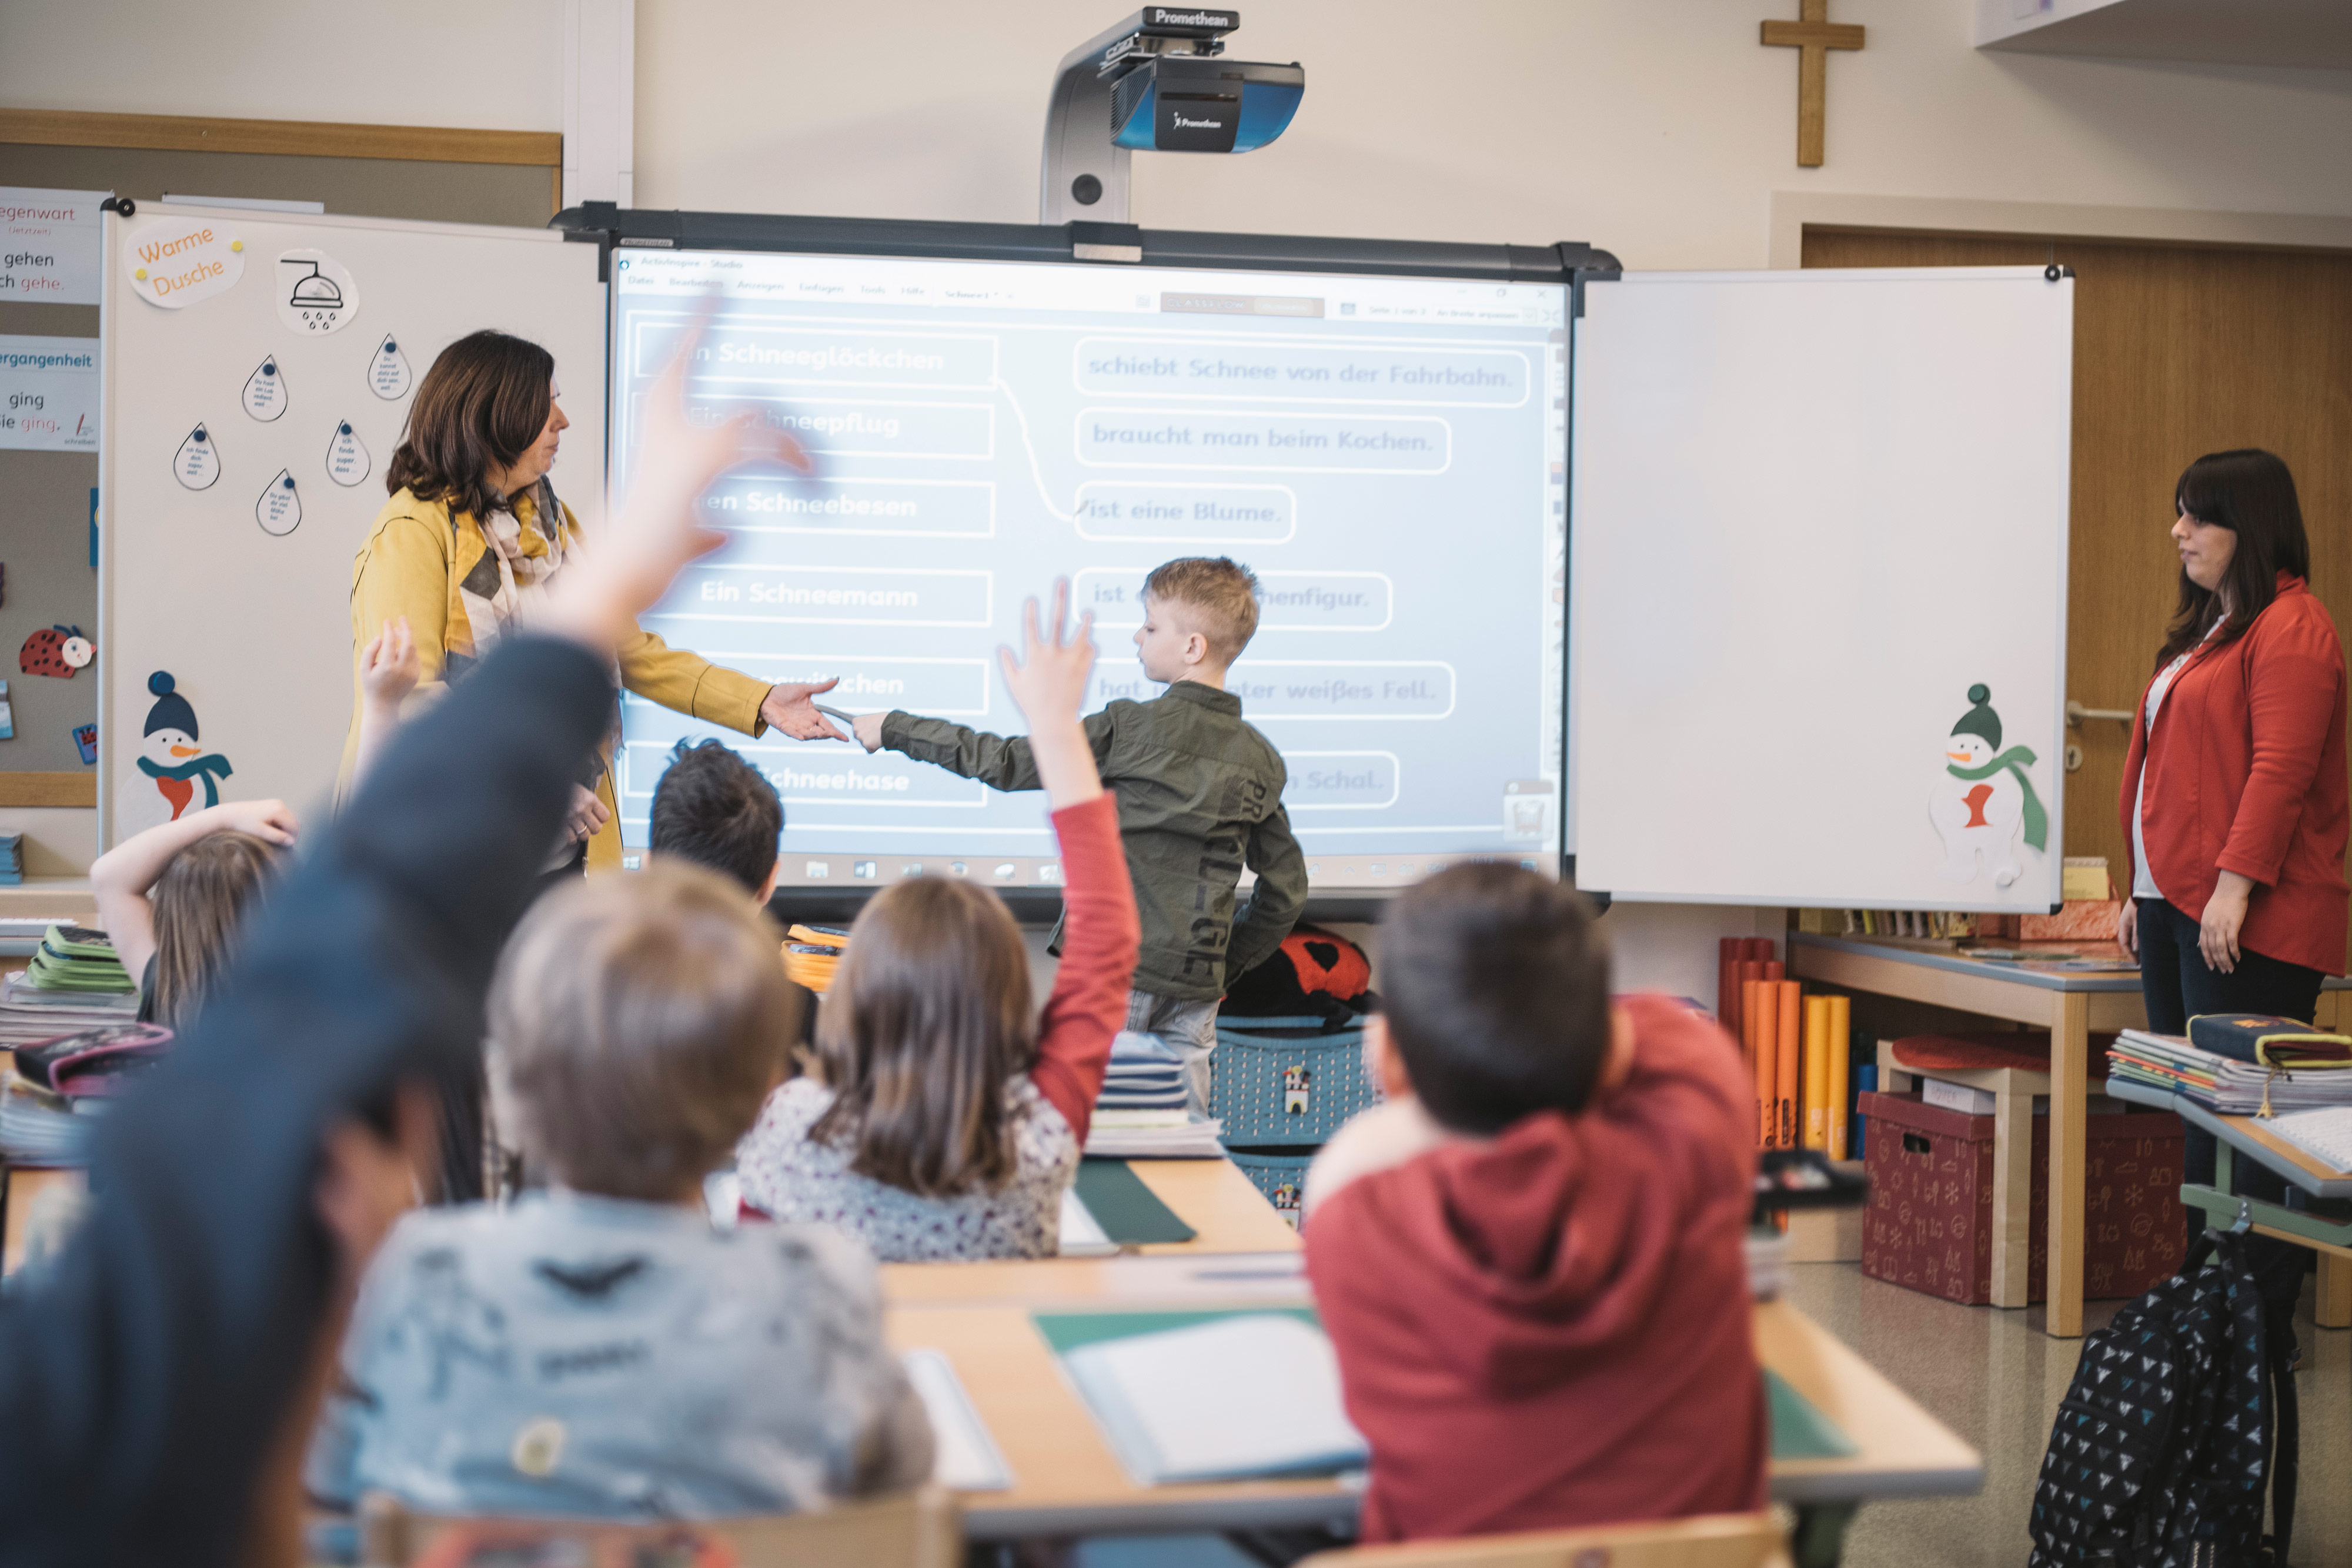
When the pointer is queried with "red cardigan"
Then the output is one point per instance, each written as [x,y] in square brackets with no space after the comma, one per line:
[2247,774]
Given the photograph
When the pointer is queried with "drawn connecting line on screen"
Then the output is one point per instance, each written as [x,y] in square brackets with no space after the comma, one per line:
[1029,445]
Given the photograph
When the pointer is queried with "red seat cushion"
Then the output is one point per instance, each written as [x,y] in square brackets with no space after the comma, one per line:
[2025,1049]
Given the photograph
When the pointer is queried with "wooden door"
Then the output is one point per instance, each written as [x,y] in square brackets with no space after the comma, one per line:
[2179,350]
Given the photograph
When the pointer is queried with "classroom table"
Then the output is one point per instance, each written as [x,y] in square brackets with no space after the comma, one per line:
[20,1187]
[2069,1005]
[1219,1202]
[2246,1136]
[1066,1481]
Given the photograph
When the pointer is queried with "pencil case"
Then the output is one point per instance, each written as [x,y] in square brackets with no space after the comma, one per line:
[95,1062]
[2269,1041]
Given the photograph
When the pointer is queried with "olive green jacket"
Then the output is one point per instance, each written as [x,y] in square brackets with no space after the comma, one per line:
[1200,797]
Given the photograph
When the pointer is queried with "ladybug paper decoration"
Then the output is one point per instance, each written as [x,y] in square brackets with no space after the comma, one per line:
[56,651]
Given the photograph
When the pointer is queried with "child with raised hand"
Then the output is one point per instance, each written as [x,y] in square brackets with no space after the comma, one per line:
[1199,801]
[389,670]
[244,1182]
[1529,1258]
[172,897]
[945,1118]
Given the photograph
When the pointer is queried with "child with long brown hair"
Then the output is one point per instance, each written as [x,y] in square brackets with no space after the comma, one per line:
[172,896]
[944,1117]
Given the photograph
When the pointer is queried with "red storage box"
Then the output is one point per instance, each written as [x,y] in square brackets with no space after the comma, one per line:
[1930,1223]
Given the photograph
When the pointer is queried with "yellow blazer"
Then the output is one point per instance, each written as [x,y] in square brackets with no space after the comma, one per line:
[419,561]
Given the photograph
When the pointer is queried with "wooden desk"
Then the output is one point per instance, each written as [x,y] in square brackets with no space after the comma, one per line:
[19,1189]
[1217,1200]
[1065,1480]
[2247,1136]
[2070,1006]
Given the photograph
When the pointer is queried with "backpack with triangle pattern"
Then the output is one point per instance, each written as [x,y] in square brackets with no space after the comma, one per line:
[2163,1443]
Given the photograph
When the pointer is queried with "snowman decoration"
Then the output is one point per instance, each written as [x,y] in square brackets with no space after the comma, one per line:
[1983,799]
[171,757]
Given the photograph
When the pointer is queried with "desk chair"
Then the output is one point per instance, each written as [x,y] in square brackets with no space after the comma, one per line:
[922,1529]
[2013,1066]
[1714,1541]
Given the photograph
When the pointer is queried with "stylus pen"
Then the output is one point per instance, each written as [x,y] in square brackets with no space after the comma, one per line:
[835,713]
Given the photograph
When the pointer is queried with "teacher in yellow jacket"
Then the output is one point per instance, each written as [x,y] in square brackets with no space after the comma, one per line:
[473,536]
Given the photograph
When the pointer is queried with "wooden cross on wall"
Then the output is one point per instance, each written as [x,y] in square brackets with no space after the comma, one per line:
[1812,35]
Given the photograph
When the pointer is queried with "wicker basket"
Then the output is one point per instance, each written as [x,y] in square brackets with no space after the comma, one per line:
[1287,1081]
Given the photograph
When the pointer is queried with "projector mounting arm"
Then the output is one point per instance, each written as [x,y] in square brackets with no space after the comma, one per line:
[1086,173]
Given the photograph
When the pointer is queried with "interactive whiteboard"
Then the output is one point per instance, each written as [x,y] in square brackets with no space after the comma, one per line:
[1388,453]
[1819,601]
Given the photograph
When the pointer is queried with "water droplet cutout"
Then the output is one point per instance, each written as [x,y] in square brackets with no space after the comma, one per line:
[264,391]
[197,462]
[347,458]
[280,510]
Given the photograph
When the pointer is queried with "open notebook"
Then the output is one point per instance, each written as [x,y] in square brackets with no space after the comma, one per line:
[1253,1394]
[965,1457]
[2326,1135]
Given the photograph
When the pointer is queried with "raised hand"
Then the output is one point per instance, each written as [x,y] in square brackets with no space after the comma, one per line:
[653,532]
[1048,683]
[271,821]
[389,666]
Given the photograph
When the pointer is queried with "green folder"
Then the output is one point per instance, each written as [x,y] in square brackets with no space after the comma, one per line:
[1128,1212]
[1065,1332]
[1800,1429]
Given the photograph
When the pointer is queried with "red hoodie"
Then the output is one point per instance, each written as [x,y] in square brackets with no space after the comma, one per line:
[1550,1328]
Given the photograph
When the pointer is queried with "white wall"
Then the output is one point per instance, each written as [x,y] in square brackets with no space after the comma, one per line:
[1659,130]
[494,65]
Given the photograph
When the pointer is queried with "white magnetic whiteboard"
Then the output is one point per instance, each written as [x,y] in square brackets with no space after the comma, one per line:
[255,627]
[1810,511]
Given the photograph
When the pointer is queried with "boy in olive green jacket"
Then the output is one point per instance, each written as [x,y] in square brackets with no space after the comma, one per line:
[1200,797]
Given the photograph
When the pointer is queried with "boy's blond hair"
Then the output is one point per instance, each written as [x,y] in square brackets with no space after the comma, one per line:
[1222,594]
[641,1021]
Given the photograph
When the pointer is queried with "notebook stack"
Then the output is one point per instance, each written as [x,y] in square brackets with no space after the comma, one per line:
[30,1015]
[11,859]
[1177,1135]
[77,958]
[1144,1075]
[36,1128]
[812,953]
[2223,1084]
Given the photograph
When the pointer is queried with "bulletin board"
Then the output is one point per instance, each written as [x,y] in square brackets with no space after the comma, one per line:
[213,570]
[428,173]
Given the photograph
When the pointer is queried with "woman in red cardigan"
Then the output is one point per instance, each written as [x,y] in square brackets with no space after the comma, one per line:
[2234,796]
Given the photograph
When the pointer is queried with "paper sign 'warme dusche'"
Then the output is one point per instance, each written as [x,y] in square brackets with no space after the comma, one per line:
[175,262]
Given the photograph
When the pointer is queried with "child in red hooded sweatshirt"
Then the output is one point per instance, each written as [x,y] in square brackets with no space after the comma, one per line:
[1529,1259]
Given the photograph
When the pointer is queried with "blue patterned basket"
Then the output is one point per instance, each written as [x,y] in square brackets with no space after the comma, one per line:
[1287,1081]
[1282,1177]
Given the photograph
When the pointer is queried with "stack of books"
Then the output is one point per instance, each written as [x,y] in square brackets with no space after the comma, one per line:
[77,958]
[1145,1074]
[38,1128]
[11,859]
[812,953]
[30,1015]
[1177,1135]
[2223,1084]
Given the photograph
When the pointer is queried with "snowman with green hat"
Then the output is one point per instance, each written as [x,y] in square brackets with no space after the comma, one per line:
[1983,798]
